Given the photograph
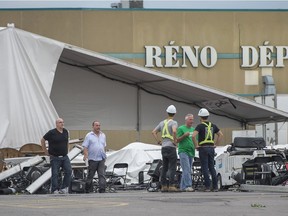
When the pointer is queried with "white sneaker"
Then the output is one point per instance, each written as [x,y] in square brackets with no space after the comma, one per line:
[63,191]
[55,192]
[189,189]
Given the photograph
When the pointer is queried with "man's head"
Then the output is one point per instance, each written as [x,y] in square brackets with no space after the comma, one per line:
[171,110]
[59,123]
[189,118]
[203,113]
[96,126]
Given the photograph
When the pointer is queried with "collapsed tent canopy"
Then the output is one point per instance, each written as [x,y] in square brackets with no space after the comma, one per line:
[88,86]
[140,95]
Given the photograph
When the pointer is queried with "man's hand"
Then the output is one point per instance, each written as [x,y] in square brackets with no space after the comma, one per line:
[84,158]
[187,134]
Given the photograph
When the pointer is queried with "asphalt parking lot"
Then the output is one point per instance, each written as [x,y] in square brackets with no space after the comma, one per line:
[145,203]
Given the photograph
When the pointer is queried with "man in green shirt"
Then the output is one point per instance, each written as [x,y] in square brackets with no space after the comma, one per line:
[186,151]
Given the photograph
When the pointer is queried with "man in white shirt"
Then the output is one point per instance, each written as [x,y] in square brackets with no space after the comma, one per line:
[94,150]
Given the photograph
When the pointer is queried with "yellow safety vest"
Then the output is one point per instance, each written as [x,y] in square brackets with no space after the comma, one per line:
[165,131]
[209,135]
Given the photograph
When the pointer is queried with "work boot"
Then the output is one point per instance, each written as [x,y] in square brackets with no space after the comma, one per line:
[164,188]
[173,188]
[207,190]
[102,190]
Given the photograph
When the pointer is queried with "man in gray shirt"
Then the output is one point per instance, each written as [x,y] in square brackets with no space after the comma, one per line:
[168,129]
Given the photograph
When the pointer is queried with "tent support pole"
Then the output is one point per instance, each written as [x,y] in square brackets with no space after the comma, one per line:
[138,114]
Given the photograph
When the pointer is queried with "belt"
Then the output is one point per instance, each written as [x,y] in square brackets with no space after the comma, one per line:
[59,156]
[206,145]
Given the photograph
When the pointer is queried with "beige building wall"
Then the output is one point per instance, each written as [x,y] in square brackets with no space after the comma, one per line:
[125,33]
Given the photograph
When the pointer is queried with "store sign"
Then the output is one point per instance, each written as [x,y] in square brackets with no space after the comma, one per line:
[182,56]
[207,56]
[252,57]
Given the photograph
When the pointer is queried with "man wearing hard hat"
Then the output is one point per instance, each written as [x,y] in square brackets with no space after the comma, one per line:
[168,129]
[206,144]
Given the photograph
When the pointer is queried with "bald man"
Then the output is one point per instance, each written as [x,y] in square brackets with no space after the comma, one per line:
[58,141]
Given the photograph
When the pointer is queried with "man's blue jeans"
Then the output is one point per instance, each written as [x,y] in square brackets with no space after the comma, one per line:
[206,155]
[56,164]
[186,165]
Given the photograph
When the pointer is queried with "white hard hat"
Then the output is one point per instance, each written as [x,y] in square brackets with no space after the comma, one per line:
[203,112]
[171,109]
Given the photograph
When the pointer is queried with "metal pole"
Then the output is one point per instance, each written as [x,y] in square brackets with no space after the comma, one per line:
[264,125]
[138,114]
[276,124]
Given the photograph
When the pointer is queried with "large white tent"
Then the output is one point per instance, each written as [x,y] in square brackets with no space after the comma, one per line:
[41,79]
[27,67]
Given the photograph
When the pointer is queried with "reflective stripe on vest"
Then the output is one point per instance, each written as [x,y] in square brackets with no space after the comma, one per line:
[208,135]
[165,131]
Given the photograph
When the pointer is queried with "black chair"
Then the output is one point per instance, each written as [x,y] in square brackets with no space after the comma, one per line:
[117,179]
[197,175]
[155,173]
[154,170]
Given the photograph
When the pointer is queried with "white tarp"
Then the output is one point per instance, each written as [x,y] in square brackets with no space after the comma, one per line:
[27,67]
[137,155]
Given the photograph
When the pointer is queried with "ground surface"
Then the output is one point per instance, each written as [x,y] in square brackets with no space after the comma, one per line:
[145,203]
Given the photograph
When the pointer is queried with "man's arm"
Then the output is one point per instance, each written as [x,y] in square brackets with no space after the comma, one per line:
[180,138]
[154,133]
[68,140]
[218,138]
[105,147]
[85,153]
[195,141]
[85,145]
[43,144]
[174,129]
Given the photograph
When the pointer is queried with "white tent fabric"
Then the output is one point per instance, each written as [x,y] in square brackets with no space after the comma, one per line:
[88,86]
[141,95]
[113,103]
[27,67]
[90,97]
[136,155]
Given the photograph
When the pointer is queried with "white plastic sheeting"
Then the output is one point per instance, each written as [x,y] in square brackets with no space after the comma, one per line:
[27,67]
[137,155]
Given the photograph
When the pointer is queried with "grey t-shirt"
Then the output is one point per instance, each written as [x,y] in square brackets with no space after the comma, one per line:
[166,141]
